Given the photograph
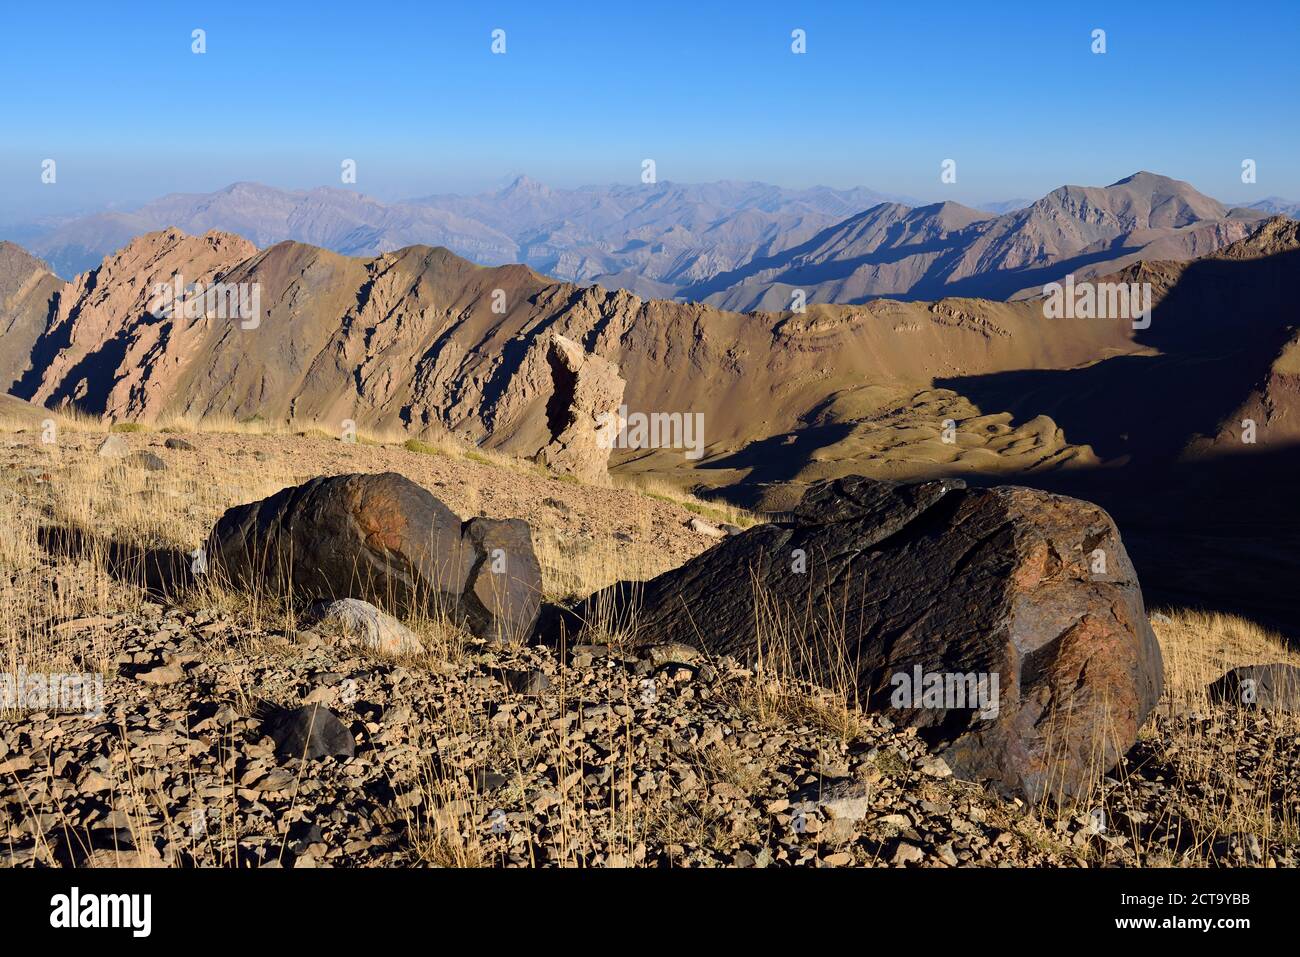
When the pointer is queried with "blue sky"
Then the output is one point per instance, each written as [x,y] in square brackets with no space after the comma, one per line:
[411,91]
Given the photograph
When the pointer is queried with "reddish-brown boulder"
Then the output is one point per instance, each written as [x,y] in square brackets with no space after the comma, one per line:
[386,540]
[1006,624]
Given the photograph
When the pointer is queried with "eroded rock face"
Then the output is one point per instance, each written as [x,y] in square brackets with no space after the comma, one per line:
[1006,624]
[109,312]
[582,413]
[27,289]
[383,539]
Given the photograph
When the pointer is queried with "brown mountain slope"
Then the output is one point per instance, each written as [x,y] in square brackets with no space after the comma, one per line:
[1206,504]
[1217,344]
[411,338]
[103,350]
[1260,270]
[896,389]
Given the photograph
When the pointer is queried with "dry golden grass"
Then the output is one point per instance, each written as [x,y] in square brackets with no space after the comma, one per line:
[123,511]
[1199,646]
[255,425]
[792,646]
[17,415]
[176,508]
[575,568]
[713,511]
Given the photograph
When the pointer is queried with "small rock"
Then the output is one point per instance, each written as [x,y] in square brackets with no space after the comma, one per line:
[180,445]
[907,854]
[303,836]
[147,461]
[277,780]
[527,682]
[936,768]
[113,447]
[310,733]
[839,831]
[162,675]
[92,782]
[848,800]
[320,695]
[486,780]
[15,764]
[85,623]
[1254,851]
[705,528]
[353,619]
[112,857]
[671,653]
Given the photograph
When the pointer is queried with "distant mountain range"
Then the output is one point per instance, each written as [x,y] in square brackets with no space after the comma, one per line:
[740,246]
[669,233]
[947,249]
[1277,206]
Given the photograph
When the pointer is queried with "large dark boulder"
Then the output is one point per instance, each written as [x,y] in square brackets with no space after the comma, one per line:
[1006,624]
[383,539]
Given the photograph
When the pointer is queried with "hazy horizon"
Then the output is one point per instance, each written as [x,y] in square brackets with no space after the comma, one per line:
[505,181]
